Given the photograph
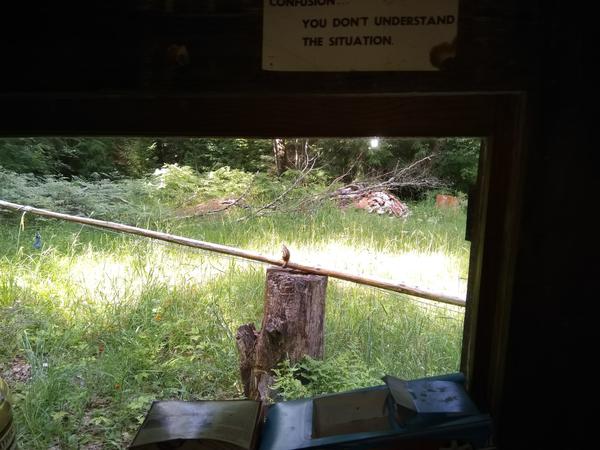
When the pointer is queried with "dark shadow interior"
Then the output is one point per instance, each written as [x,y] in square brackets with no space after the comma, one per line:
[521,79]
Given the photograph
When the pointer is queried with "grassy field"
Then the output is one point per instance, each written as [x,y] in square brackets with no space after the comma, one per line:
[96,325]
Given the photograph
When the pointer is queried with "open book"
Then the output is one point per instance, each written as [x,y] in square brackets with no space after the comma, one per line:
[199,425]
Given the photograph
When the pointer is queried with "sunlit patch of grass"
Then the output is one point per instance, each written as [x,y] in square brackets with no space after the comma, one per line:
[110,322]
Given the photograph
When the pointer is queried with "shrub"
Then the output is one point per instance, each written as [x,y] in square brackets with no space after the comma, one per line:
[224,182]
[107,199]
[180,185]
[175,184]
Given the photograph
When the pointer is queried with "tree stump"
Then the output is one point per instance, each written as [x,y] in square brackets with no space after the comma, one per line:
[292,327]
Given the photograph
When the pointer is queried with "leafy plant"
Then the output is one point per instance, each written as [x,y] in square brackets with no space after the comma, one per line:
[311,377]
[456,160]
[108,199]
[224,182]
[175,184]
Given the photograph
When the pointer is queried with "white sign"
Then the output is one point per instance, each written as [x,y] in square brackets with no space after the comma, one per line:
[362,35]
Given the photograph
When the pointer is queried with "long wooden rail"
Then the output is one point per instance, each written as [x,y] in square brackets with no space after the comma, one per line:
[233,251]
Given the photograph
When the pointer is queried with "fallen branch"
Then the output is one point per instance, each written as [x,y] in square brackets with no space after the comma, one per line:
[412,176]
[397,178]
[218,210]
[305,171]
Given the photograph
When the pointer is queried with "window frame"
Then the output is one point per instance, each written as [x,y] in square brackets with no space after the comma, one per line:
[497,118]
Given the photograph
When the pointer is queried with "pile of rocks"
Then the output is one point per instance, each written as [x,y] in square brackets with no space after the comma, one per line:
[381,202]
[378,202]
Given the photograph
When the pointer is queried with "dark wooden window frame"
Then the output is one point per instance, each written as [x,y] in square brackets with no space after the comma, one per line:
[498,118]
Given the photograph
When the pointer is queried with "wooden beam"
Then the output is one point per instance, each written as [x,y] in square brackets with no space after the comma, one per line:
[246,254]
[261,116]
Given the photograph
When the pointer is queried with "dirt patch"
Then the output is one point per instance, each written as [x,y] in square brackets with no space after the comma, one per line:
[210,207]
[16,371]
[94,446]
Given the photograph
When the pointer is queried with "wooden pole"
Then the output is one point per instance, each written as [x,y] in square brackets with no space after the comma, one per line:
[233,251]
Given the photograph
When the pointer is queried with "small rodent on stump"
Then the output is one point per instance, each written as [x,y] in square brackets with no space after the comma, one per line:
[285,255]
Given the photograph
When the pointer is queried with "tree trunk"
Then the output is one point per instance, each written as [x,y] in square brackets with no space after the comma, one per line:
[292,327]
[280,155]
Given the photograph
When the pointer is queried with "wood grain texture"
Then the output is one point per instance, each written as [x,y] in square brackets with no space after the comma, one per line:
[493,256]
[292,327]
[245,339]
[250,115]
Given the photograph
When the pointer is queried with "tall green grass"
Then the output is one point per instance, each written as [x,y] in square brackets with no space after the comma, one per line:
[109,322]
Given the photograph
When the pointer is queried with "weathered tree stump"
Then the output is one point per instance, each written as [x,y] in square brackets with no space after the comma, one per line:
[292,327]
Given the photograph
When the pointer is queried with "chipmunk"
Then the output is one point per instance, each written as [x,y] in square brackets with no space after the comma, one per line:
[285,255]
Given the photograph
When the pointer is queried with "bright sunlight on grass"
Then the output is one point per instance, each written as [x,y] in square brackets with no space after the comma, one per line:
[95,325]
[109,322]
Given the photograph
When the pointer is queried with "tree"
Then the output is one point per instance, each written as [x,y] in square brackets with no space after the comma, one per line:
[292,154]
[455,160]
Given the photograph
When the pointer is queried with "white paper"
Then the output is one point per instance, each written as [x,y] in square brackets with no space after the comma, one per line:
[358,35]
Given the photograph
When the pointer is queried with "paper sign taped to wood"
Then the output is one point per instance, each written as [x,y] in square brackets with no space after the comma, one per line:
[359,35]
